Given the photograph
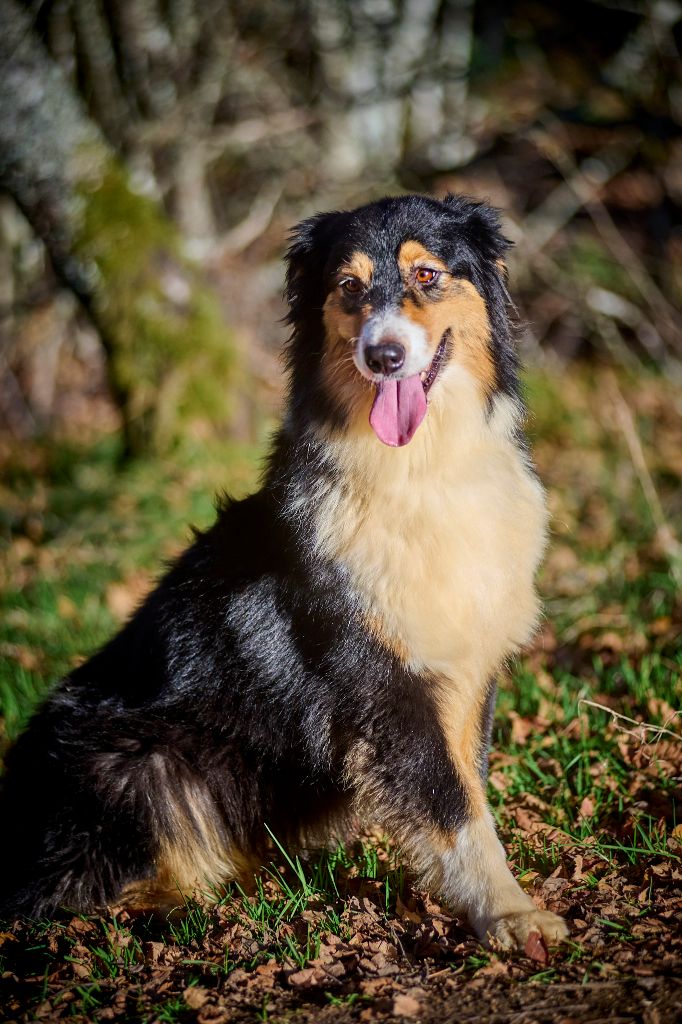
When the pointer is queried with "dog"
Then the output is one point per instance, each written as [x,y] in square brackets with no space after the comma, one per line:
[329,647]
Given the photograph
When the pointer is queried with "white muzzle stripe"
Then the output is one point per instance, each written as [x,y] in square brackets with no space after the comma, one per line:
[392,326]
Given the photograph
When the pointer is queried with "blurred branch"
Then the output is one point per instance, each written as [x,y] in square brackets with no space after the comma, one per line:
[223,137]
[615,308]
[664,532]
[592,308]
[96,56]
[138,34]
[256,129]
[252,227]
[607,330]
[579,188]
[669,322]
[14,408]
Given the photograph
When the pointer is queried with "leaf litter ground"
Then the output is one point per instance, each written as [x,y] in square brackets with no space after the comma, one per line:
[586,771]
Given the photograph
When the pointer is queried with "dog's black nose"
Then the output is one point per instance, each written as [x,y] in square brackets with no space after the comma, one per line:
[386,358]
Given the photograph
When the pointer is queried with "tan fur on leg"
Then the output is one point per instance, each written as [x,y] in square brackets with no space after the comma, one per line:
[197,859]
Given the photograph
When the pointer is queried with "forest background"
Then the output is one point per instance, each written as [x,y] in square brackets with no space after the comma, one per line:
[153,157]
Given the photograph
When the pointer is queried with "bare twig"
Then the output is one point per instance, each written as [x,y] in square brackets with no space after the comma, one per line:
[583,184]
[642,728]
[252,227]
[665,534]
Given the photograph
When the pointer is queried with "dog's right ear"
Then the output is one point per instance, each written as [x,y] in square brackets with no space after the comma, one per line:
[310,243]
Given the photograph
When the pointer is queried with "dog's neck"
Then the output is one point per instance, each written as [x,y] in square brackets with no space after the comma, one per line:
[462,423]
[461,420]
[436,537]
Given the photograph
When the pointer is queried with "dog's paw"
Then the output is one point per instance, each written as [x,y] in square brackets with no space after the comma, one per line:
[514,930]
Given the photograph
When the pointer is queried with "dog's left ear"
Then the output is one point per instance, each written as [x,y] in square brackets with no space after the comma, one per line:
[310,243]
[481,224]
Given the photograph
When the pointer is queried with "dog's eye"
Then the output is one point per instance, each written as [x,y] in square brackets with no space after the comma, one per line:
[424,276]
[351,286]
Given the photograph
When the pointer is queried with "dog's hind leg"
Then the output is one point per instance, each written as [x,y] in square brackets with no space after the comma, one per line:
[193,850]
[67,842]
[102,807]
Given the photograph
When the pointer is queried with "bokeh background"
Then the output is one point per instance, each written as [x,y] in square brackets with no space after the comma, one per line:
[156,152]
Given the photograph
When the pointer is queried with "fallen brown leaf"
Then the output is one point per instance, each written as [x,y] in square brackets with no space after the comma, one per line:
[213,1015]
[125,596]
[195,996]
[406,1006]
[535,948]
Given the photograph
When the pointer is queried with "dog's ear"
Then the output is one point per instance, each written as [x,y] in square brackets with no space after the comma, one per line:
[480,223]
[310,243]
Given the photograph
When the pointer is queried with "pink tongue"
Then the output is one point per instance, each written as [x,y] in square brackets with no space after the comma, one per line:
[398,409]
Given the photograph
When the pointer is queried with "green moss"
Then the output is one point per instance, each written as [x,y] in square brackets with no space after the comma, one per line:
[588,262]
[170,353]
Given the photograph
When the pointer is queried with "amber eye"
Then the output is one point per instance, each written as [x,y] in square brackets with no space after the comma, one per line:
[425,276]
[351,286]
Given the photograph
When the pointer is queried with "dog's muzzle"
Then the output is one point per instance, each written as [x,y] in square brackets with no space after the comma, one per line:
[391,345]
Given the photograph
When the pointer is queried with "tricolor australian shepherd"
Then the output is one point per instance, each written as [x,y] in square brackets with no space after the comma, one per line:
[329,647]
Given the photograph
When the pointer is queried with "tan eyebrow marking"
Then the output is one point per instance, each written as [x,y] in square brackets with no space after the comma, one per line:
[360,266]
[412,254]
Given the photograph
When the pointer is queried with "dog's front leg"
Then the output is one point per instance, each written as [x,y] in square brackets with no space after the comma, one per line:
[430,796]
[470,861]
[475,879]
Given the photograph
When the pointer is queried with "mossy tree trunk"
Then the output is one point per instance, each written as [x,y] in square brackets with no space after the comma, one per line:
[168,350]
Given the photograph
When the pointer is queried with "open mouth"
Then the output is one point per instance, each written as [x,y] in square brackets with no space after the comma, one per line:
[400,405]
[427,377]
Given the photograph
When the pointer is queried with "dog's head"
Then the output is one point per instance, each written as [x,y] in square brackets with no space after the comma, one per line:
[384,298]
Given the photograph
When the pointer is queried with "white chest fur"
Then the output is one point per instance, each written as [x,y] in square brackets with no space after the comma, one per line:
[441,538]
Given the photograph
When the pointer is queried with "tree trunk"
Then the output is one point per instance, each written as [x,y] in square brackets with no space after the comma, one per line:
[168,351]
[395,84]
